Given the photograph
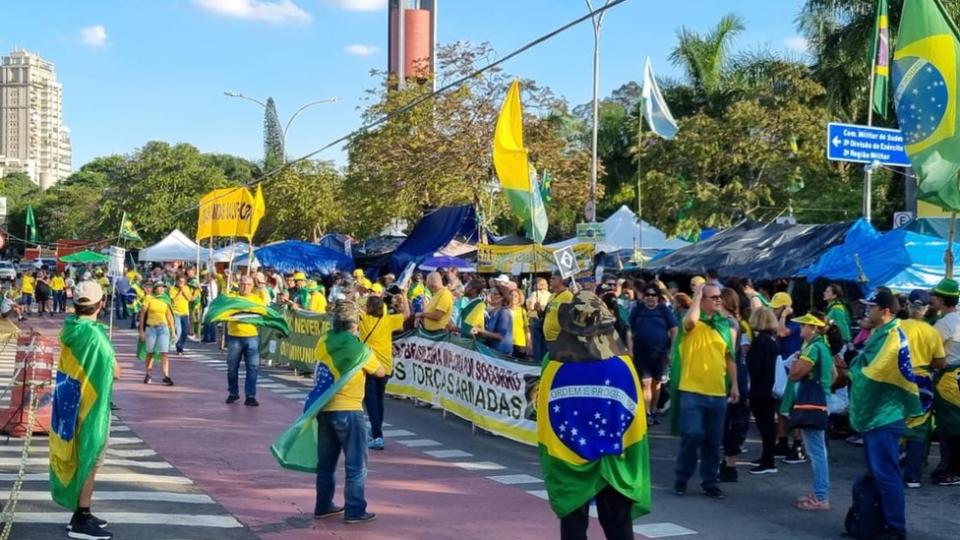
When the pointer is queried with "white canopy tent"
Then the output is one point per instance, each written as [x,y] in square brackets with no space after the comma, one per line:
[622,231]
[232,252]
[175,247]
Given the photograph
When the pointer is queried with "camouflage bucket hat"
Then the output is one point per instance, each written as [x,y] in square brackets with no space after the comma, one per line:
[587,331]
[346,311]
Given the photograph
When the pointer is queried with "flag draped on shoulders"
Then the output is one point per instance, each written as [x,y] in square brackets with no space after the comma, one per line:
[80,423]
[340,355]
[838,314]
[719,324]
[947,400]
[230,308]
[926,80]
[592,432]
[883,389]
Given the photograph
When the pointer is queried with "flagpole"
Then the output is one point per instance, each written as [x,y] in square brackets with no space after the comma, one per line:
[948,256]
[640,180]
[868,169]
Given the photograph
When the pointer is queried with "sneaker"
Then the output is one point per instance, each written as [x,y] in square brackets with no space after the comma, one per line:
[714,492]
[96,521]
[796,456]
[114,406]
[679,488]
[147,378]
[87,529]
[368,516]
[939,472]
[781,449]
[194,339]
[911,483]
[232,399]
[331,512]
[654,420]
[855,440]
[949,480]
[727,474]
[889,534]
[764,469]
[376,444]
[251,402]
[167,381]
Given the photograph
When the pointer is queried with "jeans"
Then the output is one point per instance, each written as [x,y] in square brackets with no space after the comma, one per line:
[157,339]
[881,447]
[59,301]
[344,430]
[375,389]
[183,322]
[735,428]
[815,442]
[249,349]
[120,307]
[763,408]
[613,510]
[539,342]
[209,333]
[916,450]
[701,428]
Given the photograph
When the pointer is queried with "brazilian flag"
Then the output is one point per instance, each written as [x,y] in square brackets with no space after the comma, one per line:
[947,400]
[883,388]
[80,423]
[340,355]
[926,79]
[592,432]
[232,308]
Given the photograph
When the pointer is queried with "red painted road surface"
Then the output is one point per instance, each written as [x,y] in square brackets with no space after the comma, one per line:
[225,450]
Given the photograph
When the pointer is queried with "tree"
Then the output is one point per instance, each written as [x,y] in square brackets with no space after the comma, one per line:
[304,201]
[274,152]
[705,60]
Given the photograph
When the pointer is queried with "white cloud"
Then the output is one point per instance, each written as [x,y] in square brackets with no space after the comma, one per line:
[359,5]
[271,11]
[94,36]
[797,44]
[360,50]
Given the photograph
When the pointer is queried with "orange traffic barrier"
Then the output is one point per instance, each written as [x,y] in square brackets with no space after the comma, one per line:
[34,367]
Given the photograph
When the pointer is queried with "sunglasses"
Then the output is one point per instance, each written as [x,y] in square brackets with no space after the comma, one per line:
[649,294]
[715,297]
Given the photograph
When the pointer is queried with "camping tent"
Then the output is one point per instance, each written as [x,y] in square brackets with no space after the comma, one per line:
[85,257]
[234,251]
[294,255]
[175,247]
[621,231]
[755,250]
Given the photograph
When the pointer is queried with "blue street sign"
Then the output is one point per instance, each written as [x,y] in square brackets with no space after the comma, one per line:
[863,144]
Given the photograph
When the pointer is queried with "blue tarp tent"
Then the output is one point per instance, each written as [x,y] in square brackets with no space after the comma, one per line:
[293,255]
[861,233]
[900,259]
[434,231]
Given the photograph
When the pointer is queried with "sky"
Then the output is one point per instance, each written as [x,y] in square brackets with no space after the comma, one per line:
[139,70]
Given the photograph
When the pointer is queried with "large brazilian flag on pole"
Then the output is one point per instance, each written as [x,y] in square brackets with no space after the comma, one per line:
[925,81]
[80,424]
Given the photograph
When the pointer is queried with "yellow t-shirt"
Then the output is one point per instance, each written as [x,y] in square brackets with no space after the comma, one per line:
[350,396]
[442,301]
[181,305]
[27,287]
[703,361]
[318,302]
[156,311]
[924,343]
[551,324]
[519,315]
[57,284]
[379,337]
[239,329]
[476,317]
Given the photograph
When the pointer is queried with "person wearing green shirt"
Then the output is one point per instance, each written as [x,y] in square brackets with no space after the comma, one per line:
[837,311]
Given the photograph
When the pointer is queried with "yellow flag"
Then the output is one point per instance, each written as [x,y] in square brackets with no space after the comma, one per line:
[259,210]
[228,213]
[509,155]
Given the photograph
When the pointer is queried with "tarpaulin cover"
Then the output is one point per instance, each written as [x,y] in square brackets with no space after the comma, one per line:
[900,259]
[434,231]
[937,226]
[860,235]
[294,255]
[755,250]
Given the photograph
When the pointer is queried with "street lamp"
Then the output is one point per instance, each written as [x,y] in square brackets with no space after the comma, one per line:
[283,134]
[597,21]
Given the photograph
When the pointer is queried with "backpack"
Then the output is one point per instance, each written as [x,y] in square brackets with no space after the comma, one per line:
[865,519]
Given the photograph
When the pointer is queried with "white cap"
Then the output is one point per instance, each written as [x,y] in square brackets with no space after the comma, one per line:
[502,278]
[88,293]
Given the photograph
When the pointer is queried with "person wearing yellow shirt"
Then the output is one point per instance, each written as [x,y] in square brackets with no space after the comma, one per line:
[561,295]
[522,342]
[181,295]
[318,297]
[243,343]
[437,314]
[58,287]
[376,331]
[27,284]
[156,327]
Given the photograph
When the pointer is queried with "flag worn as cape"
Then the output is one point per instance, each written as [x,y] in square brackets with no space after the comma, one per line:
[225,308]
[592,432]
[880,59]
[340,355]
[466,314]
[516,176]
[80,423]
[926,80]
[655,108]
[882,386]
[947,400]
[721,325]
[837,312]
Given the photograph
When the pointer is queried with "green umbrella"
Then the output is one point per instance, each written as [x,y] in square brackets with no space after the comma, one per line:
[84,257]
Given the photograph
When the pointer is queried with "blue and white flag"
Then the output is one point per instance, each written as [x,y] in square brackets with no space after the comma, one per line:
[655,108]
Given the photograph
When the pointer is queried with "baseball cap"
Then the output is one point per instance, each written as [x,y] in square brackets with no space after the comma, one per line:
[883,300]
[781,299]
[88,293]
[502,278]
[697,280]
[87,276]
[298,276]
[919,297]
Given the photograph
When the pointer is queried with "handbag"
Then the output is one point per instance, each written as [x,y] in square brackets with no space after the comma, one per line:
[779,378]
[809,409]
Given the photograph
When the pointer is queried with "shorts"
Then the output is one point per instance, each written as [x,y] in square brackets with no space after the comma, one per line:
[651,367]
[158,339]
[26,299]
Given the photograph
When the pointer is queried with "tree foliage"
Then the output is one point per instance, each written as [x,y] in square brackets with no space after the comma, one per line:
[274,152]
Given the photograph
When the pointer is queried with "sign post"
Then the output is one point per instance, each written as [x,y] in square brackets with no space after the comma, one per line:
[864,144]
[114,271]
[591,232]
[566,262]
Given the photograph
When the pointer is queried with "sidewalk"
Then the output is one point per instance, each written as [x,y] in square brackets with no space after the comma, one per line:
[225,450]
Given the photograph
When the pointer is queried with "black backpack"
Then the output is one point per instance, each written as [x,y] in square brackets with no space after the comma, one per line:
[865,519]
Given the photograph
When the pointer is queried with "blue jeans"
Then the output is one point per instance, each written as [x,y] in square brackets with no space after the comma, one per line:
[539,342]
[815,442]
[376,388]
[913,464]
[882,449]
[701,429]
[209,333]
[59,302]
[183,321]
[249,349]
[347,431]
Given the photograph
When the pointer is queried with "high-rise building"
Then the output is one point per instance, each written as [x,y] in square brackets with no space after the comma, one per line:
[411,39]
[33,139]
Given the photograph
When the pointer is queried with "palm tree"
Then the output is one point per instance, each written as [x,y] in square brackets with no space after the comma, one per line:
[705,59]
